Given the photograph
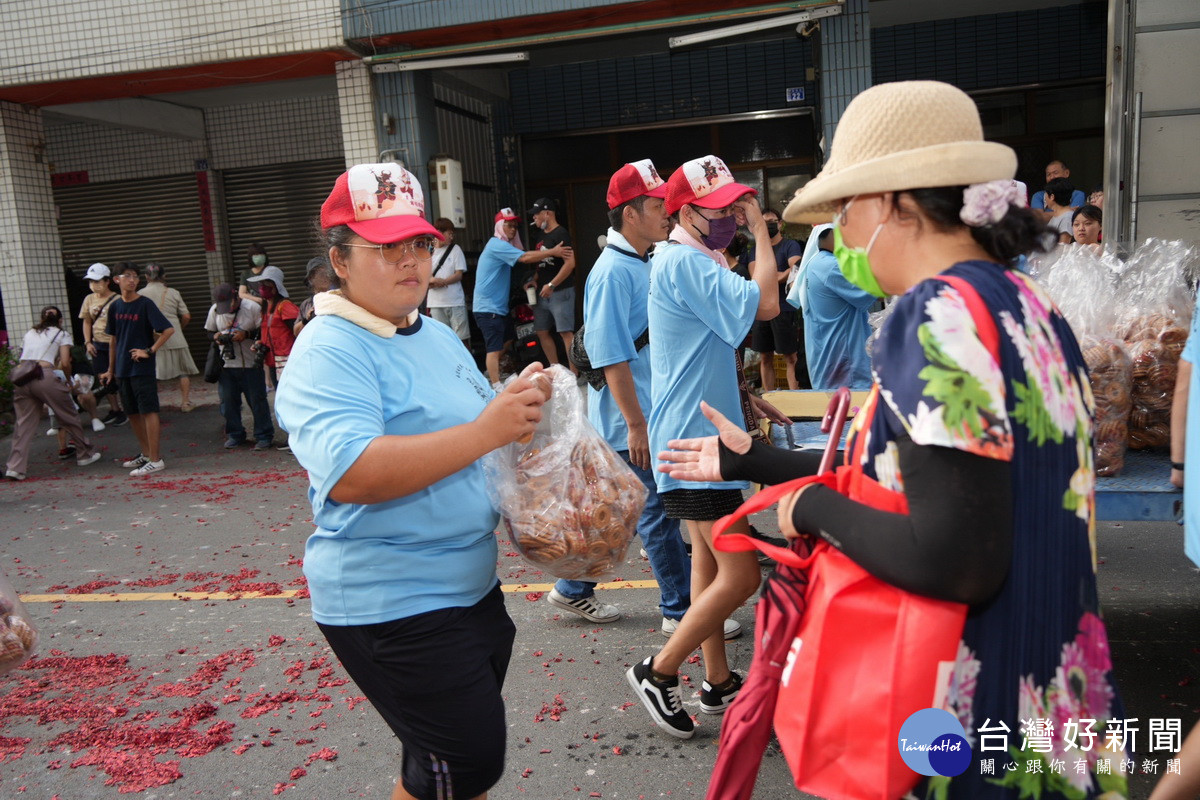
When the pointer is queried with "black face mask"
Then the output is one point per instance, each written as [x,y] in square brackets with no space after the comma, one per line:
[772,229]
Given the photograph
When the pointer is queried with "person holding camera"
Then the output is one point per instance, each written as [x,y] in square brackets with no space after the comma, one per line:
[279,320]
[234,325]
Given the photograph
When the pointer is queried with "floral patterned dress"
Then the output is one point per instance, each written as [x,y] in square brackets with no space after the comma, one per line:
[1033,683]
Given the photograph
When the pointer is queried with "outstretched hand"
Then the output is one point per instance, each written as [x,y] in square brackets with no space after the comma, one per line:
[699,459]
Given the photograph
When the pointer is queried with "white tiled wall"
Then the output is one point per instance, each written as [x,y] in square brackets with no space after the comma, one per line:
[30,263]
[295,129]
[356,104]
[53,40]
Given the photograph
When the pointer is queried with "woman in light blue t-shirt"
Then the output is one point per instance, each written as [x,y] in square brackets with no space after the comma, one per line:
[389,415]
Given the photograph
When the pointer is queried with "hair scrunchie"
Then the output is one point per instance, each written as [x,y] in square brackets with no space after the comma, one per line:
[987,203]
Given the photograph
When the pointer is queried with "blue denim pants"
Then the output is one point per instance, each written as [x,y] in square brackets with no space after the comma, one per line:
[249,382]
[669,559]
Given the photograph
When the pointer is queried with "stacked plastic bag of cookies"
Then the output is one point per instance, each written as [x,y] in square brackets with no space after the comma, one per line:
[1083,286]
[569,502]
[1156,310]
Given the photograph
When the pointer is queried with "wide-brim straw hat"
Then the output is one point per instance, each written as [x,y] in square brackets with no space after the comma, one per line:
[904,135]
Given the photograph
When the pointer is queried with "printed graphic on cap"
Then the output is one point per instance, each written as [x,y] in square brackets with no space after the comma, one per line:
[649,174]
[384,190]
[706,175]
[932,742]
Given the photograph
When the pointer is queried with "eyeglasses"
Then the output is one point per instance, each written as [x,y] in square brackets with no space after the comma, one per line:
[421,247]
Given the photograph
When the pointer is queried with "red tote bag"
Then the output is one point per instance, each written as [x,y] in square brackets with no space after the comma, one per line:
[867,655]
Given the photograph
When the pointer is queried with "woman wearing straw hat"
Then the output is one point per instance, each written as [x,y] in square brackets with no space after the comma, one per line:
[980,416]
[389,415]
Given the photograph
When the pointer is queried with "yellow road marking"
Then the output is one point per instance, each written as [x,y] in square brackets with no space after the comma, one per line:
[129,597]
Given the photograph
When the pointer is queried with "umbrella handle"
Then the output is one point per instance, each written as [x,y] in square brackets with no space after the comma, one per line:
[834,423]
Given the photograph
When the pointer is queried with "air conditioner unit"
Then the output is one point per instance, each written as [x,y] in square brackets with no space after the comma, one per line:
[451,202]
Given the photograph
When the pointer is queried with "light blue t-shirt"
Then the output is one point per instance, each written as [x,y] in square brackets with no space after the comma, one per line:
[433,549]
[614,316]
[1191,475]
[1039,199]
[699,312]
[835,326]
[493,276]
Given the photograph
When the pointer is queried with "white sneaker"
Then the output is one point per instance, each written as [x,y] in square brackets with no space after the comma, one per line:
[733,628]
[53,431]
[587,607]
[92,459]
[147,468]
[97,425]
[132,463]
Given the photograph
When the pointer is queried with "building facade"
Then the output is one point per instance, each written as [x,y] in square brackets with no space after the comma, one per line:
[181,133]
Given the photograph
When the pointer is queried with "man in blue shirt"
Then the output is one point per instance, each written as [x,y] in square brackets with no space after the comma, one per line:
[493,284]
[615,319]
[835,322]
[1056,169]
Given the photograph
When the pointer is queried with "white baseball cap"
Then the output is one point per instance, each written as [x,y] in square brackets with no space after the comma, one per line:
[98,271]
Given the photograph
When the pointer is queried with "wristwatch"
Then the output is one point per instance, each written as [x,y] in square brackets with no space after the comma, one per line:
[1177,465]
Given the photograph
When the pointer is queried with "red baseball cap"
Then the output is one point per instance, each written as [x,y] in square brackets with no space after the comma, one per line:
[635,179]
[704,182]
[506,214]
[380,202]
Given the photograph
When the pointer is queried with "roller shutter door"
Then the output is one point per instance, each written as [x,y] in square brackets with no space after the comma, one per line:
[275,206]
[141,221]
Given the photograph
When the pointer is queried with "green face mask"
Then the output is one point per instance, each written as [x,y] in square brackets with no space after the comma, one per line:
[259,260]
[854,263]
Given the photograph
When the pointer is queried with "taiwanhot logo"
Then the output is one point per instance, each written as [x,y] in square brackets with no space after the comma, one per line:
[932,742]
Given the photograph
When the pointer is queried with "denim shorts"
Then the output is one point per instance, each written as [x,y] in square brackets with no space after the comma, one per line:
[558,308]
[496,329]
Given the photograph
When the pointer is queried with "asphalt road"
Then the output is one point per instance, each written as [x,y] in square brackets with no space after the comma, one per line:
[164,669]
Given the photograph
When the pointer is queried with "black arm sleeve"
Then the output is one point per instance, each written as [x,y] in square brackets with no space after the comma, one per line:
[955,543]
[763,463]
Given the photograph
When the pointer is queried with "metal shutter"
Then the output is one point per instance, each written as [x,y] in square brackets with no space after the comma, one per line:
[145,220]
[275,206]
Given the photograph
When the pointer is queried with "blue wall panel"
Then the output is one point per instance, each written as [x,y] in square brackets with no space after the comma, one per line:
[659,87]
[995,50]
[361,20]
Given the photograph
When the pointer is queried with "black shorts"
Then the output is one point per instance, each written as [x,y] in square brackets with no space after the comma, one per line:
[139,394]
[436,678]
[777,335]
[701,505]
[496,329]
[100,360]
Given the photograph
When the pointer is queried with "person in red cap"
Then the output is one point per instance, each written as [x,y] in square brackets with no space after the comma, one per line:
[389,415]
[616,342]
[699,312]
[493,284]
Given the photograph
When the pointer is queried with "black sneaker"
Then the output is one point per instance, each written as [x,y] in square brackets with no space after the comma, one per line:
[715,701]
[67,452]
[118,420]
[110,418]
[664,700]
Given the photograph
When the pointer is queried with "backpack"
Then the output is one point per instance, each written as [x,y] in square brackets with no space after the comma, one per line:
[579,357]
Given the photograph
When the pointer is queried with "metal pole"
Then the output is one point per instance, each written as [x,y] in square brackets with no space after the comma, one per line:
[1135,157]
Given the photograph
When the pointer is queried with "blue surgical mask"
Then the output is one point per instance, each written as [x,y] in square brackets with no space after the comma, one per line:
[258,260]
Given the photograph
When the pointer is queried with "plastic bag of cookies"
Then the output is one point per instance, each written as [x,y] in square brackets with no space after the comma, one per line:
[1082,285]
[569,502]
[18,637]
[1156,311]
